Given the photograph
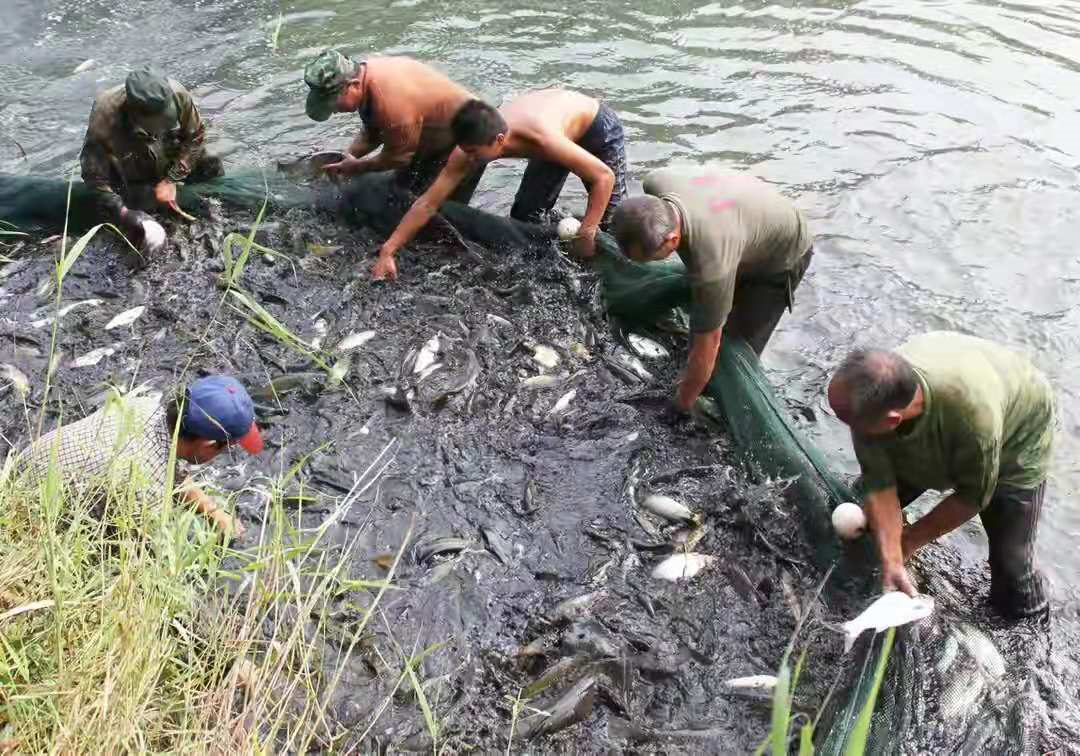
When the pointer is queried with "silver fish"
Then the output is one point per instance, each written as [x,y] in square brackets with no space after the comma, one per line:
[426,358]
[86,65]
[354,341]
[546,356]
[752,682]
[563,403]
[575,705]
[894,609]
[18,379]
[679,566]
[92,358]
[647,348]
[127,317]
[310,166]
[633,364]
[447,544]
[64,311]
[576,607]
[538,382]
[668,508]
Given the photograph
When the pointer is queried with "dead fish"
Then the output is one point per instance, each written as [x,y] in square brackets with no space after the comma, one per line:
[340,369]
[545,356]
[647,348]
[86,65]
[17,378]
[668,508]
[64,311]
[354,341]
[574,706]
[752,682]
[322,250]
[127,317]
[283,384]
[633,364]
[497,545]
[894,609]
[679,566]
[441,545]
[92,358]
[580,351]
[540,382]
[310,166]
[575,608]
[563,403]
[528,497]
[426,357]
[499,320]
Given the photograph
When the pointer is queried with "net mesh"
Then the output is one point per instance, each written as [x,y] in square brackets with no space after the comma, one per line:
[947,688]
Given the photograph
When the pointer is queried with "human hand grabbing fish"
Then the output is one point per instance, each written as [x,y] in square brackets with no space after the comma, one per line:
[385,268]
[893,609]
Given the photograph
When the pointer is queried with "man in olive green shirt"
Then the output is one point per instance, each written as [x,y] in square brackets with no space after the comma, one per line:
[945,412]
[745,246]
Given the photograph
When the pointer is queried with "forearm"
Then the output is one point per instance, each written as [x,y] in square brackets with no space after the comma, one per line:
[886,521]
[600,190]
[386,160]
[198,499]
[699,367]
[950,513]
[362,146]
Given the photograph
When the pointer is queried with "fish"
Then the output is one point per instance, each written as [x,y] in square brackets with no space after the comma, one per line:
[576,607]
[752,682]
[92,358]
[426,357]
[17,378]
[633,364]
[442,545]
[310,166]
[893,609]
[64,311]
[340,369]
[537,647]
[499,320]
[563,403]
[679,566]
[154,236]
[668,508]
[127,317]
[322,250]
[354,340]
[546,356]
[86,65]
[572,707]
[647,348]
[580,351]
[687,538]
[540,382]
[498,545]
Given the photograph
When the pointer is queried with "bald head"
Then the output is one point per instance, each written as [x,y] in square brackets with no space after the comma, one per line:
[872,388]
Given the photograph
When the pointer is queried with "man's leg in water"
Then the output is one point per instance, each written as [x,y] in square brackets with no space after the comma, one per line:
[539,191]
[606,140]
[758,305]
[1011,520]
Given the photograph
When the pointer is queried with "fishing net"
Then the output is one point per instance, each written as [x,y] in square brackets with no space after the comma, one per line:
[948,685]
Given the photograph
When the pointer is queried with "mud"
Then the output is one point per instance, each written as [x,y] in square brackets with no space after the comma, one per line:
[529,559]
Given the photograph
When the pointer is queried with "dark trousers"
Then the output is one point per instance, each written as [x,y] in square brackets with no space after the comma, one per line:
[543,180]
[1011,521]
[758,305]
[421,172]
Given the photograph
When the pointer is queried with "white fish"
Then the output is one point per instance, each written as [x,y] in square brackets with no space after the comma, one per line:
[849,520]
[86,65]
[647,348]
[340,370]
[894,609]
[426,358]
[541,382]
[679,566]
[127,317]
[546,356]
[64,311]
[92,358]
[17,378]
[753,682]
[563,403]
[635,366]
[154,236]
[354,341]
[499,320]
[320,334]
[668,508]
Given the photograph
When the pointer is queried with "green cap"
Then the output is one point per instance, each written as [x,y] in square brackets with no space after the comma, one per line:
[326,75]
[150,92]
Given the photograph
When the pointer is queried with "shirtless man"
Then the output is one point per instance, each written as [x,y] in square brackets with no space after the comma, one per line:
[406,108]
[559,132]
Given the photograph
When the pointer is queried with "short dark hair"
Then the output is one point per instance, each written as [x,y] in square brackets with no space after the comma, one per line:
[646,221]
[876,382]
[477,124]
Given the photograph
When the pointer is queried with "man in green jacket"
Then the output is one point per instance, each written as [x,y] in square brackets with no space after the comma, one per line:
[144,137]
[949,412]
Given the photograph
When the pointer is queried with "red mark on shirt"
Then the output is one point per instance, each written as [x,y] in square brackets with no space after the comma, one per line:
[716,205]
[703,180]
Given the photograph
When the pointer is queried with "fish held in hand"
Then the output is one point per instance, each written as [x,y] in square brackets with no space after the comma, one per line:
[891,610]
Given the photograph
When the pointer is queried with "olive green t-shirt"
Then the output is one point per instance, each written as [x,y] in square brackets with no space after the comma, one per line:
[988,420]
[735,228]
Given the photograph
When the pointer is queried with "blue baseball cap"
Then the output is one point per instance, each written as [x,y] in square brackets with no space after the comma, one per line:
[219,408]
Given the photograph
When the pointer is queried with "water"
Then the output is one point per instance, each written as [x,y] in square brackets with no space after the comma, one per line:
[931,144]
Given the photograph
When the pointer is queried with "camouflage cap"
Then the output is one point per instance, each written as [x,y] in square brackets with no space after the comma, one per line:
[150,92]
[326,75]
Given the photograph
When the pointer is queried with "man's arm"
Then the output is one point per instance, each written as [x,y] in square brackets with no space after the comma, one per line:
[886,521]
[398,148]
[457,167]
[699,367]
[205,505]
[599,179]
[950,513]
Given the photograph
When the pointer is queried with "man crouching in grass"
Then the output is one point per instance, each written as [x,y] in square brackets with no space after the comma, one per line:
[124,446]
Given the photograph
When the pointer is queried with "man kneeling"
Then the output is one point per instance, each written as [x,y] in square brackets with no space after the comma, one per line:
[949,411]
[125,445]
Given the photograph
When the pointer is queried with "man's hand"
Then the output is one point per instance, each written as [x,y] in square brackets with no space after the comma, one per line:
[165,193]
[228,525]
[346,167]
[385,268]
[584,245]
[895,578]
